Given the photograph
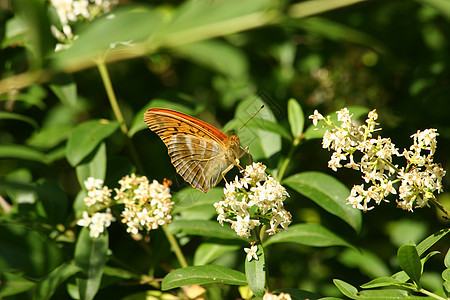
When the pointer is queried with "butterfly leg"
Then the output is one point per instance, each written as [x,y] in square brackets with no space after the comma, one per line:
[246,150]
[250,158]
[226,171]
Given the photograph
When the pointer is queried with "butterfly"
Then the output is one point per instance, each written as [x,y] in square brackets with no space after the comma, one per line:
[200,153]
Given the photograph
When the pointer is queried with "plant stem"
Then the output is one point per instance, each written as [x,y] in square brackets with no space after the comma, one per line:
[440,207]
[116,109]
[428,293]
[176,248]
[111,95]
[287,160]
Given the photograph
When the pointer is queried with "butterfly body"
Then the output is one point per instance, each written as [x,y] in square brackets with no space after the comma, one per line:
[200,153]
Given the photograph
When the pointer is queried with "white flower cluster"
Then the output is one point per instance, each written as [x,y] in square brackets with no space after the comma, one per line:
[147,205]
[97,196]
[96,192]
[248,202]
[420,178]
[97,223]
[71,11]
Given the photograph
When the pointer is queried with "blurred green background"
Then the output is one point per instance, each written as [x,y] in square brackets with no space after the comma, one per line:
[389,55]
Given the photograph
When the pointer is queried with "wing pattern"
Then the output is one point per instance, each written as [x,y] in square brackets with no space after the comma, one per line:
[196,153]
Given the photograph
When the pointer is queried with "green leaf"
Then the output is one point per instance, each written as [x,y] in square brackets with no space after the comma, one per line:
[270,126]
[262,143]
[308,234]
[203,228]
[202,275]
[296,117]
[313,132]
[207,252]
[53,202]
[49,137]
[409,261]
[192,204]
[123,33]
[339,32]
[328,193]
[56,154]
[25,249]
[65,88]
[388,294]
[120,273]
[18,186]
[366,261]
[431,240]
[195,21]
[403,277]
[78,204]
[15,32]
[38,39]
[313,7]
[447,259]
[48,285]
[441,6]
[255,273]
[5,115]
[33,95]
[346,289]
[421,248]
[381,282]
[217,56]
[13,284]
[94,166]
[90,256]
[446,275]
[86,137]
[22,152]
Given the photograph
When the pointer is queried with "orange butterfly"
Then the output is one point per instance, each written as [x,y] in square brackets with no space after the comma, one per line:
[200,153]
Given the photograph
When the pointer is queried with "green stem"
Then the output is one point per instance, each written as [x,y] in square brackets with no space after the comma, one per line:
[116,109]
[440,207]
[287,160]
[111,95]
[428,293]
[176,248]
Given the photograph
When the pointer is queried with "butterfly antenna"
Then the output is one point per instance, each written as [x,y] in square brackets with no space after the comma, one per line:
[262,106]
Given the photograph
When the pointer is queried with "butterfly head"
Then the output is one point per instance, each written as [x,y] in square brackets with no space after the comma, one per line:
[233,146]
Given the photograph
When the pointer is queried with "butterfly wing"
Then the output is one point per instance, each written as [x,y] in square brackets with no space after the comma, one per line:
[198,151]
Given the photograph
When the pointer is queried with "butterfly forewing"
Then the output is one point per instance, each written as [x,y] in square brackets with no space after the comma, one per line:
[199,152]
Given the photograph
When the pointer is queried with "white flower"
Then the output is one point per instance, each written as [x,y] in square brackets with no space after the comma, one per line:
[255,190]
[280,296]
[85,221]
[97,223]
[147,205]
[316,117]
[344,117]
[251,252]
[102,196]
[420,178]
[72,11]
[93,184]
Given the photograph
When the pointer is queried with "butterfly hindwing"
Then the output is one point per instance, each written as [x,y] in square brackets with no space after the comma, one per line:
[198,160]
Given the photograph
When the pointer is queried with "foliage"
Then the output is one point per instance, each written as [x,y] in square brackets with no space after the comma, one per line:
[73,93]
